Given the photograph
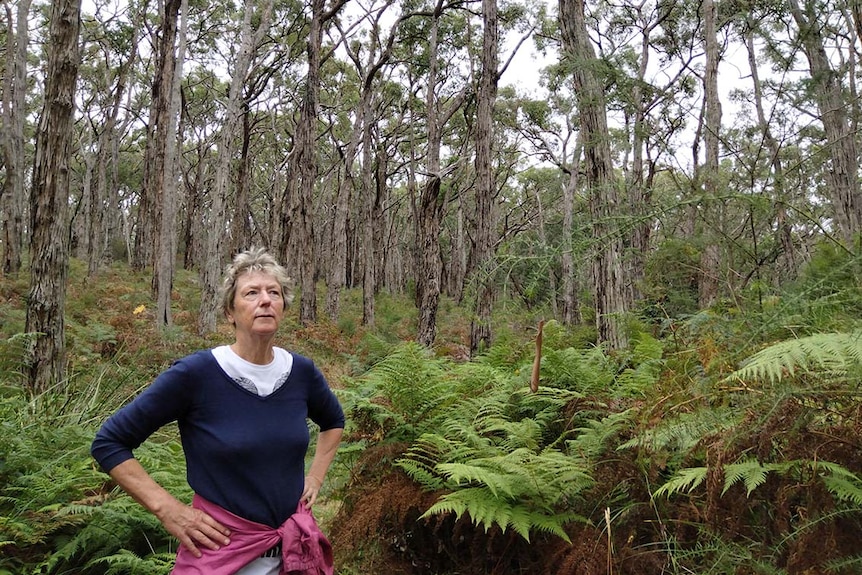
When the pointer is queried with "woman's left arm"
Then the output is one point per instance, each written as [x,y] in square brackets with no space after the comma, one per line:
[324,453]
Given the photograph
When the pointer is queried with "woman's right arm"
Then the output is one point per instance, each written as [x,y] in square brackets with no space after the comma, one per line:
[191,526]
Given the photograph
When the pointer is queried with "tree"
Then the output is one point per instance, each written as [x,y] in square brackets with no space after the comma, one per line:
[609,281]
[378,54]
[298,234]
[109,83]
[210,269]
[480,327]
[14,115]
[828,92]
[710,257]
[49,240]
[166,230]
[432,200]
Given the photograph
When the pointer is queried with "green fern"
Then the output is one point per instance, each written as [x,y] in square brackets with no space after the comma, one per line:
[681,434]
[842,483]
[598,436]
[125,562]
[751,472]
[484,509]
[834,354]
[687,480]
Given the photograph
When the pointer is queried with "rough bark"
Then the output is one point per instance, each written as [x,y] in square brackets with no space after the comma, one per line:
[609,282]
[480,327]
[571,305]
[217,224]
[49,240]
[431,202]
[843,175]
[152,189]
[708,281]
[297,238]
[12,194]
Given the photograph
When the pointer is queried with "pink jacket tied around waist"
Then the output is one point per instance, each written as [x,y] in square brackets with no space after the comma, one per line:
[305,549]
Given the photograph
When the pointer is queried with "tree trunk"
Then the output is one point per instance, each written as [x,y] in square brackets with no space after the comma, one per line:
[609,282]
[104,178]
[480,327]
[779,193]
[430,212]
[843,175]
[571,305]
[432,204]
[12,194]
[217,221]
[166,233]
[337,276]
[368,196]
[152,188]
[298,231]
[240,234]
[708,283]
[49,240]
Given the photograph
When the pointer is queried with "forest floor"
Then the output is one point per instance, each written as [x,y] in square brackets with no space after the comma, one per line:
[786,522]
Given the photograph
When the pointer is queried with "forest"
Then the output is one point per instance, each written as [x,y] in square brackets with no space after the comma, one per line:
[585,275]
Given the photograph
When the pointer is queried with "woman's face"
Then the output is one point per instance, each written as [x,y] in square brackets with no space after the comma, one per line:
[258,304]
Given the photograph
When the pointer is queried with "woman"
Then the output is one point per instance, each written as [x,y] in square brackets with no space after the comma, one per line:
[241,411]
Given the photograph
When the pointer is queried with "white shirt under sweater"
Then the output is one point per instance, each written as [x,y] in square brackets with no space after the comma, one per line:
[262,380]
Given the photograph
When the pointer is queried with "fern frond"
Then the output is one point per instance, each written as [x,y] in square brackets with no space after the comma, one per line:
[487,510]
[751,472]
[125,562]
[593,438]
[686,431]
[480,472]
[685,480]
[842,483]
[831,353]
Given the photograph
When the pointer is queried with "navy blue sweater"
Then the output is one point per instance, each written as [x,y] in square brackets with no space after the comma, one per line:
[243,452]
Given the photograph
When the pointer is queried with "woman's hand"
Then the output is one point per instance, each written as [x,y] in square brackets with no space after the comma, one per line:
[312,488]
[193,527]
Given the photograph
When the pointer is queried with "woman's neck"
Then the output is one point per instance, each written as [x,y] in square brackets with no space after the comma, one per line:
[259,353]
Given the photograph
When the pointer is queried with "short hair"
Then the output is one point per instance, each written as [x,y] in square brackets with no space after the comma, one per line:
[253,260]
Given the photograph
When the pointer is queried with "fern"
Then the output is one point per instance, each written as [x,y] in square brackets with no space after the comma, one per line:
[646,357]
[751,472]
[687,480]
[596,436]
[834,354]
[484,509]
[684,432]
[128,563]
[842,483]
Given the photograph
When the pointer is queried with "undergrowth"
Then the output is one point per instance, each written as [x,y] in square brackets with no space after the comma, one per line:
[728,441]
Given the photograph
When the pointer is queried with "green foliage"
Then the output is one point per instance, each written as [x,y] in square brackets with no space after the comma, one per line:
[53,497]
[495,458]
[832,355]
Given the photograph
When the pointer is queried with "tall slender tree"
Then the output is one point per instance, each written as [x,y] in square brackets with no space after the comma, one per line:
[609,280]
[49,239]
[297,240]
[828,92]
[708,284]
[480,327]
[210,269]
[432,199]
[14,114]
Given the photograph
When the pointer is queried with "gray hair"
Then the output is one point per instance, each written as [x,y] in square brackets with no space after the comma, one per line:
[253,260]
